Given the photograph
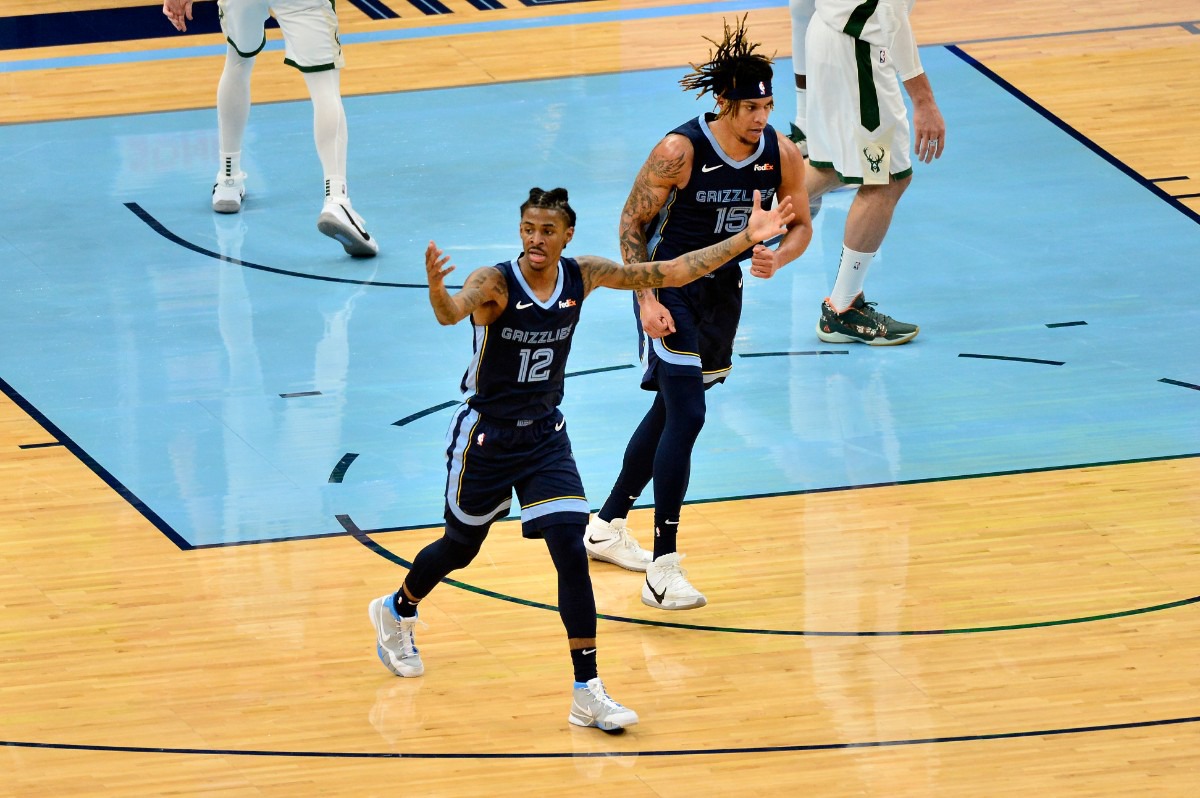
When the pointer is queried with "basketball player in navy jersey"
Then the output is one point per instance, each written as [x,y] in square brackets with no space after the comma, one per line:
[509,433]
[695,188]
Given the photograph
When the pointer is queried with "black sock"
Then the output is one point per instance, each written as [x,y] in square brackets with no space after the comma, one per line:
[401,604]
[584,662]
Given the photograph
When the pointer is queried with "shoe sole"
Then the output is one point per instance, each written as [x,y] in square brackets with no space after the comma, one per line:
[696,603]
[333,227]
[638,567]
[227,206]
[842,338]
[404,671]
[608,726]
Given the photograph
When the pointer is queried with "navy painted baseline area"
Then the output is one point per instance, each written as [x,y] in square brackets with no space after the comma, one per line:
[134,23]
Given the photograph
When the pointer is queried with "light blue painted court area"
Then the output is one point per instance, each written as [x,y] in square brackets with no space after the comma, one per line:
[224,396]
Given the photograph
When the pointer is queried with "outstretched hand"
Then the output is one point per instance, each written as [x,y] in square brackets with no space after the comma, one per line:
[435,260]
[768,223]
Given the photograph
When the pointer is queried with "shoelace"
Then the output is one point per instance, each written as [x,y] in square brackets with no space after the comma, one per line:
[600,694]
[408,642]
[627,543]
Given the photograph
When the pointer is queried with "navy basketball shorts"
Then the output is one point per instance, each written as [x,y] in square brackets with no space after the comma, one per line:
[706,313]
[487,459]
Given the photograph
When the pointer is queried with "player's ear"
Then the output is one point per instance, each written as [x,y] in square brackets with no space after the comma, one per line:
[567,238]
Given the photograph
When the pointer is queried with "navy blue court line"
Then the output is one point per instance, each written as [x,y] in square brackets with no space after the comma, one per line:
[374,9]
[161,229]
[1186,196]
[429,7]
[298,394]
[97,469]
[427,411]
[487,5]
[39,445]
[339,470]
[793,354]
[1067,324]
[348,523]
[1016,359]
[1075,134]
[1168,179]
[597,371]
[422,413]
[526,755]
[1180,384]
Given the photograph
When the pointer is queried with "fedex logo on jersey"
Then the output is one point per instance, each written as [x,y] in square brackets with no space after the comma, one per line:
[566,303]
[764,167]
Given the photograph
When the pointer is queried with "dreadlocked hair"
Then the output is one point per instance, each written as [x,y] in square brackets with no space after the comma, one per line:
[732,63]
[555,199]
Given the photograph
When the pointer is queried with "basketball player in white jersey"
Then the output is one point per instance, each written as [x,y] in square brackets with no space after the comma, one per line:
[310,34]
[850,58]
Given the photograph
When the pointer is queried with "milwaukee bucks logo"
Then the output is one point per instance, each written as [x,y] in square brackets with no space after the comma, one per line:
[874,155]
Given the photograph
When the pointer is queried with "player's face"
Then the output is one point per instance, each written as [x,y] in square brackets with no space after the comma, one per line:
[544,235]
[748,119]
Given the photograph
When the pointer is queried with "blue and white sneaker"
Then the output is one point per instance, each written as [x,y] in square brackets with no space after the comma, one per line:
[395,644]
[592,706]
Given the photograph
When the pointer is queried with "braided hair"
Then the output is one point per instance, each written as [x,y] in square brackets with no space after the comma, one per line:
[733,71]
[555,199]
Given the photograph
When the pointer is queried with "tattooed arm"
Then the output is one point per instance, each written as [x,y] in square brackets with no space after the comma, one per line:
[485,294]
[667,168]
[763,224]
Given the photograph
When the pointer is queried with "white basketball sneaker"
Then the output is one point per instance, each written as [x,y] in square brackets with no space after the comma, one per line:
[592,706]
[611,541]
[394,641]
[228,192]
[339,221]
[666,586]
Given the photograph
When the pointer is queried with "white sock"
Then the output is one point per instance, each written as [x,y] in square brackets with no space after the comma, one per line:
[335,189]
[231,165]
[852,273]
[802,111]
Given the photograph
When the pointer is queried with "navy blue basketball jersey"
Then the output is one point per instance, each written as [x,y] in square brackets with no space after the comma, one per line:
[719,195]
[520,359]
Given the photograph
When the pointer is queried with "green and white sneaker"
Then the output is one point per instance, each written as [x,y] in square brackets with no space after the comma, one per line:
[592,706]
[394,641]
[861,323]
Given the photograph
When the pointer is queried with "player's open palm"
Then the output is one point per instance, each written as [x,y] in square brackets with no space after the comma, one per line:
[769,222]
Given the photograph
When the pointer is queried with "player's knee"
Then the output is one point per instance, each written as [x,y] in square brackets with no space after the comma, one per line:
[457,550]
[565,543]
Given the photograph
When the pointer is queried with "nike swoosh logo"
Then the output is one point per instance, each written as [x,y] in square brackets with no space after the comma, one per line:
[593,541]
[657,596]
[559,425]
[587,652]
[711,168]
[523,305]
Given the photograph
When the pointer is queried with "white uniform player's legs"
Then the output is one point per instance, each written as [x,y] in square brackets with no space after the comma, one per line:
[329,126]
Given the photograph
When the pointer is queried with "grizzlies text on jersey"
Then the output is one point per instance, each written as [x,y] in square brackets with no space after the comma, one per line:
[719,195]
[519,361]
